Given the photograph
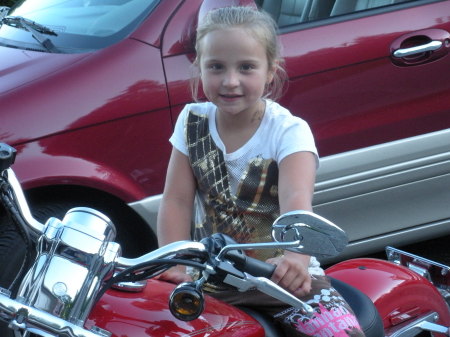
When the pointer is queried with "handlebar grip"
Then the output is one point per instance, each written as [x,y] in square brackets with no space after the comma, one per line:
[251,265]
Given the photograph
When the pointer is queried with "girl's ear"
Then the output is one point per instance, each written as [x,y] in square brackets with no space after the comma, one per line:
[196,70]
[271,72]
[198,67]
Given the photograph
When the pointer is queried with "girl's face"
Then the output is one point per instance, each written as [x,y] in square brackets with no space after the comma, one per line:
[234,70]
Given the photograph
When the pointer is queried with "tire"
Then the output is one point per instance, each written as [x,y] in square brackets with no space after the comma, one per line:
[42,211]
[12,251]
[12,255]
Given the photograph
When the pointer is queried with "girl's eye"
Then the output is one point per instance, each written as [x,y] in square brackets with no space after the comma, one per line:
[215,66]
[247,67]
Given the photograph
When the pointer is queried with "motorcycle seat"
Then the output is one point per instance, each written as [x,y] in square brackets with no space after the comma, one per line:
[364,309]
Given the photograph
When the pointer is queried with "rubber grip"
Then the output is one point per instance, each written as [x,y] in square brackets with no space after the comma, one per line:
[251,265]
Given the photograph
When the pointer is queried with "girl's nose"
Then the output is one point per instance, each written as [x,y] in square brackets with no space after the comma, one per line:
[231,79]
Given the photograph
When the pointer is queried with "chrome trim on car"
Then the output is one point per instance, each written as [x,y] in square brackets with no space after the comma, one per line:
[431,46]
[381,160]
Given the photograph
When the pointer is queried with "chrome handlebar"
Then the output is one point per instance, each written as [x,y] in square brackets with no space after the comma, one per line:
[24,209]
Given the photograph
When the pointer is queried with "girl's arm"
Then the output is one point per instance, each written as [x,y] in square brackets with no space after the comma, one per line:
[175,211]
[297,173]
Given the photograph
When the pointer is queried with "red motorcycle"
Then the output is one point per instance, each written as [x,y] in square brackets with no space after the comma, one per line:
[69,279]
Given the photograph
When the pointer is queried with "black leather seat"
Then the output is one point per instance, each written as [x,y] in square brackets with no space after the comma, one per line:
[363,307]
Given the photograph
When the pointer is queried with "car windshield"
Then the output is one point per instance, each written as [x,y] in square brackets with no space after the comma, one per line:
[77,25]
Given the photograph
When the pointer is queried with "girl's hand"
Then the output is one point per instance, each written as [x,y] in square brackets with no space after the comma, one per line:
[291,273]
[175,275]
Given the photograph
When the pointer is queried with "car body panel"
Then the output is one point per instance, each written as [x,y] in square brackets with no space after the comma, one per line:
[70,158]
[179,37]
[20,69]
[65,105]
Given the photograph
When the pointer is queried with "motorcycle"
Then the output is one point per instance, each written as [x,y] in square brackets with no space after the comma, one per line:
[70,279]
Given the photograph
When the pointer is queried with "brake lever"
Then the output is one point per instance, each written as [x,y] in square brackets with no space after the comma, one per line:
[270,288]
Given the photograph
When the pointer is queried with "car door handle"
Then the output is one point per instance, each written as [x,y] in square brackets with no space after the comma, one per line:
[420,47]
[431,46]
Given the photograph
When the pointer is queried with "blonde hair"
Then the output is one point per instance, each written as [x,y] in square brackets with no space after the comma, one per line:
[261,26]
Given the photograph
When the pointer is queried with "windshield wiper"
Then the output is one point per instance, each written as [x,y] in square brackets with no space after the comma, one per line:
[37,30]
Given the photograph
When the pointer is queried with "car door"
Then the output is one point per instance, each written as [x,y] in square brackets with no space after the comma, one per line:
[371,78]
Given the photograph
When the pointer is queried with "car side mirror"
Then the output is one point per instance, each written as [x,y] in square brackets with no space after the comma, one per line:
[3,12]
[317,236]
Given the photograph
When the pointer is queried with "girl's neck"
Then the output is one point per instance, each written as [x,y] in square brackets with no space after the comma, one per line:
[235,131]
[241,121]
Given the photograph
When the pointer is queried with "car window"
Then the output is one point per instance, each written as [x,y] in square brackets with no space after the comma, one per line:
[292,12]
[79,24]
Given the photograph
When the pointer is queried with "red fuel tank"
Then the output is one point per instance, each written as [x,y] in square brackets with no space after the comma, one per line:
[146,313]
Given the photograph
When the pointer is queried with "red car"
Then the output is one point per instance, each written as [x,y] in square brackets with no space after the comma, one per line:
[90,91]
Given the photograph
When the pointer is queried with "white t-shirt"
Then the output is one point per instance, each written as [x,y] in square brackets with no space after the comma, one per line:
[241,200]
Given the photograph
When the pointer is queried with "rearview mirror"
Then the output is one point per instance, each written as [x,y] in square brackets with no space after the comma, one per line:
[318,236]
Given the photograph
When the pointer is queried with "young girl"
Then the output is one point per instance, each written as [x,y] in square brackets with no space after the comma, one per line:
[245,160]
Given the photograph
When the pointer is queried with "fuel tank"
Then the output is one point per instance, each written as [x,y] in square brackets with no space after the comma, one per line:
[146,313]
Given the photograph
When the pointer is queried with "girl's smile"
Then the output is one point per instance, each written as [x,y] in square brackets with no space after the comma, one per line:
[230,97]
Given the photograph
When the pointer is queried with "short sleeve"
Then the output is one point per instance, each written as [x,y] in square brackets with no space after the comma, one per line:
[296,136]
[178,139]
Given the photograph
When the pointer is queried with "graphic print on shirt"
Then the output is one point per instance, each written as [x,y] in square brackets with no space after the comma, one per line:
[246,216]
